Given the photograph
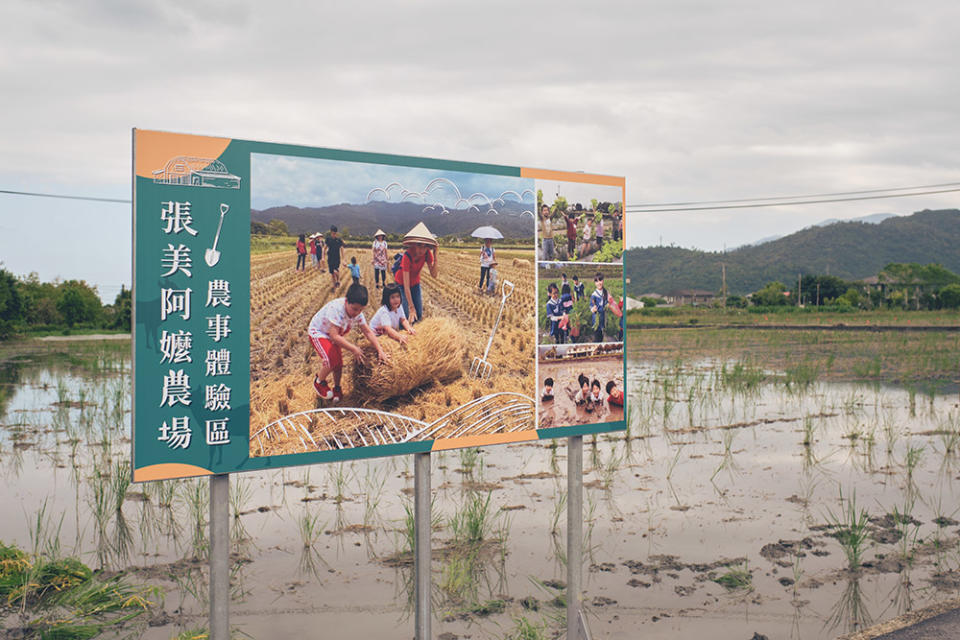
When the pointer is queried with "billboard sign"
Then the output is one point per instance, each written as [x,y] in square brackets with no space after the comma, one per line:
[295,305]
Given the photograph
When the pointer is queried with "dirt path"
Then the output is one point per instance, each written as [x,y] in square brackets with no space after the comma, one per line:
[937,622]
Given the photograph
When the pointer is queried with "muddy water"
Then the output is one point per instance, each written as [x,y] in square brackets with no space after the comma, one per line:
[714,477]
[563,410]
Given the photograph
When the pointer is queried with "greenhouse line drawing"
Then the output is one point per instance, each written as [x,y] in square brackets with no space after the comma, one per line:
[329,429]
[196,172]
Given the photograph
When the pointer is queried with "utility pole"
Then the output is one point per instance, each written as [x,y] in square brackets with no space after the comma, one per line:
[798,290]
[818,294]
[723,286]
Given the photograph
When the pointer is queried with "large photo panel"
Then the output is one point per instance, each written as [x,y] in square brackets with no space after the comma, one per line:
[408,315]
[295,305]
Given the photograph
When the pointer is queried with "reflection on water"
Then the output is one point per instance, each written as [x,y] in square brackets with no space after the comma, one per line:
[724,458]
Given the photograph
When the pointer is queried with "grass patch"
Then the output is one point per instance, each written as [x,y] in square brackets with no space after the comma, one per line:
[736,578]
[62,598]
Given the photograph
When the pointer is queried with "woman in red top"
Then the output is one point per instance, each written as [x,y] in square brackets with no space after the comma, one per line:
[301,253]
[417,255]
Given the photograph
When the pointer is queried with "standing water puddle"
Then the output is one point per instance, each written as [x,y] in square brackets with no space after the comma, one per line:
[721,514]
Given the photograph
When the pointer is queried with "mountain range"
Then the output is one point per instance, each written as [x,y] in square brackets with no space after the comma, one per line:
[849,250]
[873,218]
[399,217]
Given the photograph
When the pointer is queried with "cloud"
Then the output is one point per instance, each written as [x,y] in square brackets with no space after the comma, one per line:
[688,100]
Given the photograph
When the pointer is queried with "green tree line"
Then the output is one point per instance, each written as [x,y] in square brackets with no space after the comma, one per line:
[910,286]
[27,304]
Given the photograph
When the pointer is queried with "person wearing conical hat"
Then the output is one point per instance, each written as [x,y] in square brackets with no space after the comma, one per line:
[420,248]
[312,243]
[380,257]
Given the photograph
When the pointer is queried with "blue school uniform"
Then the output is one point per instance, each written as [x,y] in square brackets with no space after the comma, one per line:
[554,313]
[599,300]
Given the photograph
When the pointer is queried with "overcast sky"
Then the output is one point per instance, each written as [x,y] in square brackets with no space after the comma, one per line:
[688,100]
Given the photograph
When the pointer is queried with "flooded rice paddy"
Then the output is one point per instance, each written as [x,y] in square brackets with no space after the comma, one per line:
[785,486]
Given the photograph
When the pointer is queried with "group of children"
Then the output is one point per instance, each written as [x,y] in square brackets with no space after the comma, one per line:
[592,236]
[560,303]
[589,395]
[332,324]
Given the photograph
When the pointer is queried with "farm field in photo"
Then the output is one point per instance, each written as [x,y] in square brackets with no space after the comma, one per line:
[283,362]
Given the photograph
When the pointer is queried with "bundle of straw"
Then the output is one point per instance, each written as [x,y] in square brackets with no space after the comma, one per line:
[434,354]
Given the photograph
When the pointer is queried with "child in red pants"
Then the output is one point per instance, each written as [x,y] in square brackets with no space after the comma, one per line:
[328,333]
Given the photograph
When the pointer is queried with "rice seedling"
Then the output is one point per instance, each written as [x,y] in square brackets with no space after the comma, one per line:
[742,377]
[949,431]
[196,494]
[409,530]
[100,507]
[673,463]
[907,528]
[911,462]
[559,508]
[808,431]
[240,494]
[727,461]
[797,575]
[891,432]
[309,527]
[373,484]
[525,629]
[667,405]
[473,523]
[468,459]
[119,484]
[338,481]
[850,530]
[801,376]
[45,534]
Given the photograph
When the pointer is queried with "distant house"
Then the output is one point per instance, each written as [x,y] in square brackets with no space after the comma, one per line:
[196,172]
[633,303]
[695,297]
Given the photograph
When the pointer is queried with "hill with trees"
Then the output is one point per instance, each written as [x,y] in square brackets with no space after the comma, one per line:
[848,250]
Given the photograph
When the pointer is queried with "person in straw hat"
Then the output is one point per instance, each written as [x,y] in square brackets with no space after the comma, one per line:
[380,257]
[318,242]
[420,248]
[312,242]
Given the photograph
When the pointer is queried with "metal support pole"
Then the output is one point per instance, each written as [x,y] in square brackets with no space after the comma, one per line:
[422,524]
[574,535]
[220,557]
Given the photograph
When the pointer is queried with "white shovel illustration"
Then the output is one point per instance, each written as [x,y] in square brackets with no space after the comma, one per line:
[212,256]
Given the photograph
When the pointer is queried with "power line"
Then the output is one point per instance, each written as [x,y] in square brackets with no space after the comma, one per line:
[634,209]
[62,196]
[664,207]
[802,196]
